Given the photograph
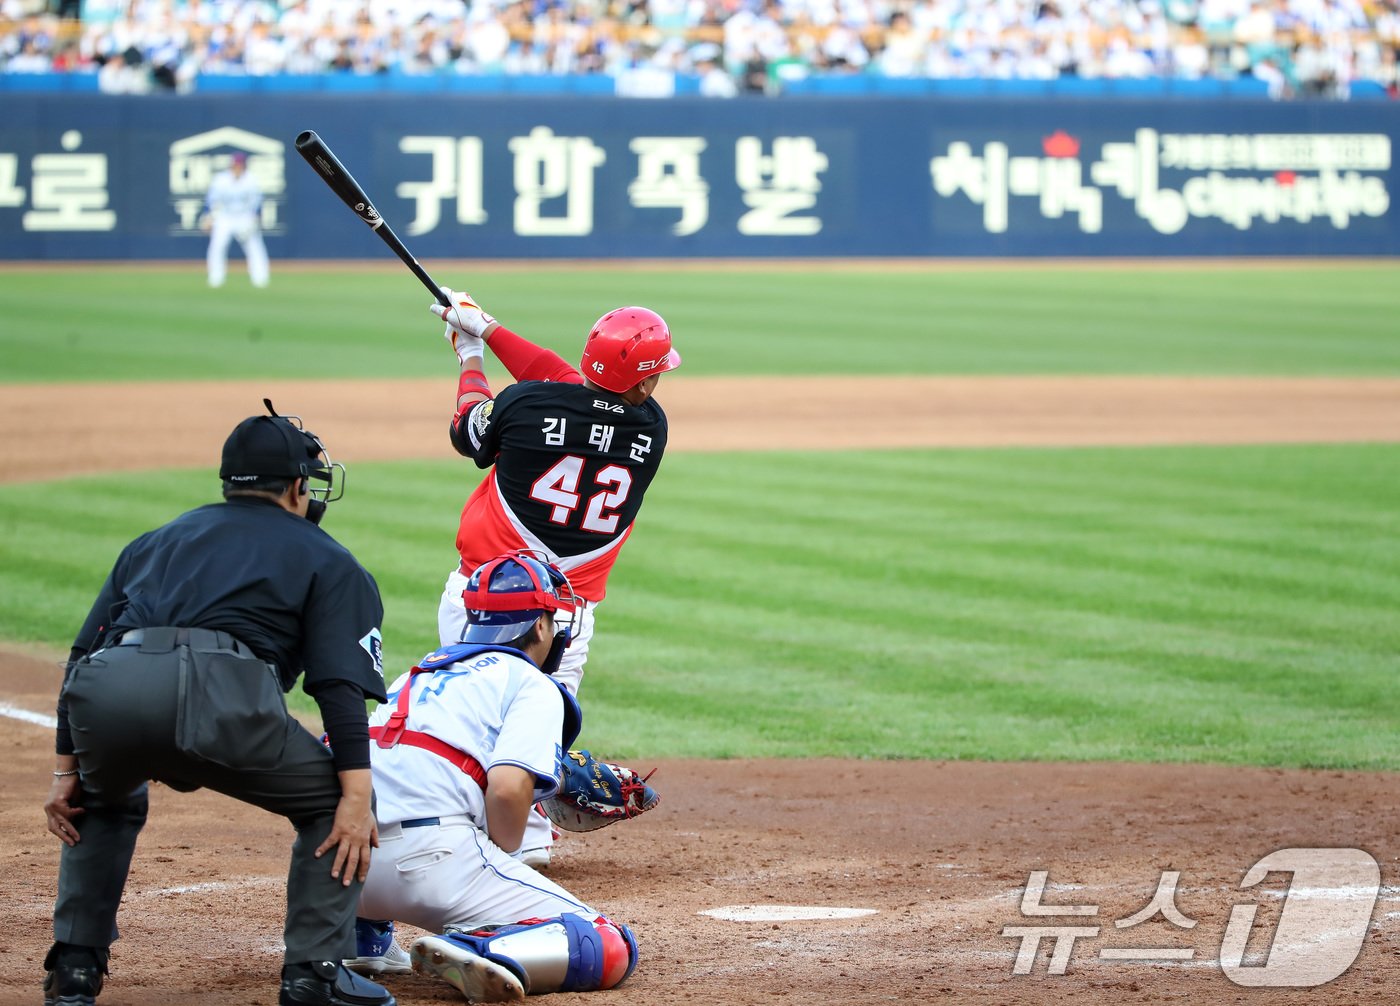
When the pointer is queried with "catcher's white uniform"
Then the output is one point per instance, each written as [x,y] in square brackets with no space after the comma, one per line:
[435,866]
[233,203]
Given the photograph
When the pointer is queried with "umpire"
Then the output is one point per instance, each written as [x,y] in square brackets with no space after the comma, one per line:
[178,675]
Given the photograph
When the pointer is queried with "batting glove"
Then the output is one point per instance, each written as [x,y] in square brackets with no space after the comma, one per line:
[467,324]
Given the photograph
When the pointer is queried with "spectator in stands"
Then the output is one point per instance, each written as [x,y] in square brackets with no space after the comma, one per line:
[124,73]
[1190,59]
[488,41]
[715,81]
[32,58]
[1308,47]
[265,51]
[904,47]
[843,50]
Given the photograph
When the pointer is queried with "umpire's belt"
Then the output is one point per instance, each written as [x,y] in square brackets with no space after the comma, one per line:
[163,639]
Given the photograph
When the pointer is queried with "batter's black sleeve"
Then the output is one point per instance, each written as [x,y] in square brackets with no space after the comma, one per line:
[476,434]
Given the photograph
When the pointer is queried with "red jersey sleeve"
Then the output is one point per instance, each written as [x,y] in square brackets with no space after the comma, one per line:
[528,362]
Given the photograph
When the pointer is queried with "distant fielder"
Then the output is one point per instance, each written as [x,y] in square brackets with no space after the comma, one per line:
[571,454]
[231,211]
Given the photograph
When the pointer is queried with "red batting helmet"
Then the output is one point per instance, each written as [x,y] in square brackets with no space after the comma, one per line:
[625,347]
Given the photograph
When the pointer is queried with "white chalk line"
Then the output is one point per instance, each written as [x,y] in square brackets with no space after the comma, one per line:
[1387,893]
[784,913]
[38,719]
[1109,958]
[205,887]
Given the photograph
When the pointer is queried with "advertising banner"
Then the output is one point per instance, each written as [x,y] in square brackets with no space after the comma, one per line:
[112,177]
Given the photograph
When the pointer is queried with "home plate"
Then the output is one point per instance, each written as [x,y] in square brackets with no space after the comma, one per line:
[783,913]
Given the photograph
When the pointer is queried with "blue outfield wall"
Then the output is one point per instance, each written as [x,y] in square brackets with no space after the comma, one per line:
[519,176]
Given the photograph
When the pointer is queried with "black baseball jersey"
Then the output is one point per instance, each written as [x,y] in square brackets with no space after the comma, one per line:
[272,579]
[572,465]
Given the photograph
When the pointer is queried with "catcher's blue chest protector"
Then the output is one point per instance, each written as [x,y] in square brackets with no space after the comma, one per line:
[456,652]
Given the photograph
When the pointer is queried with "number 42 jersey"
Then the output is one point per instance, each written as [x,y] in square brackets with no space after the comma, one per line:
[571,466]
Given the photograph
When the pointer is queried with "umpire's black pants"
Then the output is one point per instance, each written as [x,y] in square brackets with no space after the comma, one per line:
[193,708]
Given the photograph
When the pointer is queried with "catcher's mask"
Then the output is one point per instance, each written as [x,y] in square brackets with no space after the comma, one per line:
[274,446]
[508,594]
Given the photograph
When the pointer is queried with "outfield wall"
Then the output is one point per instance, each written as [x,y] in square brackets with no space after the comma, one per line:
[93,177]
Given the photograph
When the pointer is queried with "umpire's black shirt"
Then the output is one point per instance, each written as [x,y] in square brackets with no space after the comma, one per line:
[266,576]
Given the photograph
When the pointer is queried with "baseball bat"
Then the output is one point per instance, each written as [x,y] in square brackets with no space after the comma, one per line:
[315,152]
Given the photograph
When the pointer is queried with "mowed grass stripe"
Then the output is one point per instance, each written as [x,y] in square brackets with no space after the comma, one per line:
[1110,318]
[899,617]
[1210,604]
[1047,517]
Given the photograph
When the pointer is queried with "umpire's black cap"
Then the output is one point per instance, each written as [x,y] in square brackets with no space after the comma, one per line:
[271,447]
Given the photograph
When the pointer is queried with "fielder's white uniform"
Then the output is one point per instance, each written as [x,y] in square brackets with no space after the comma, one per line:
[501,709]
[233,204]
[452,622]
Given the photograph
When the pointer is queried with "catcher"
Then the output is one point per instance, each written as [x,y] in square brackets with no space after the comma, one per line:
[468,741]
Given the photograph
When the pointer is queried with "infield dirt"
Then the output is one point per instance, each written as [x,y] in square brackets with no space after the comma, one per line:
[55,430]
[941,850]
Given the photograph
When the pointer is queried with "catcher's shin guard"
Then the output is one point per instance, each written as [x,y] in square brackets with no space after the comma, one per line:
[570,953]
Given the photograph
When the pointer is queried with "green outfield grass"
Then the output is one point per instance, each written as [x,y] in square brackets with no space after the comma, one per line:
[124,323]
[1213,604]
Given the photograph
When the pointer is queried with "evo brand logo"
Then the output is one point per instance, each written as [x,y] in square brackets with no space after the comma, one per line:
[598,403]
[647,365]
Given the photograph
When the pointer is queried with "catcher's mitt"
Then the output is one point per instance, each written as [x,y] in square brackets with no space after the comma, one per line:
[596,794]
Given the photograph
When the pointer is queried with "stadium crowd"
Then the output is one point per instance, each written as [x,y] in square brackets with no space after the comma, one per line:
[1300,48]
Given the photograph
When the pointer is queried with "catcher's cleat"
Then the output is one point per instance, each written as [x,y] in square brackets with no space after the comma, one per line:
[537,859]
[376,951]
[574,952]
[74,975]
[478,979]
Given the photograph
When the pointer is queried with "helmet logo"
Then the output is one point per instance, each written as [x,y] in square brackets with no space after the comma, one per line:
[647,365]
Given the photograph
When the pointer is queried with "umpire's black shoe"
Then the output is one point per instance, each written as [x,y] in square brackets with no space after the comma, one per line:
[328,983]
[74,975]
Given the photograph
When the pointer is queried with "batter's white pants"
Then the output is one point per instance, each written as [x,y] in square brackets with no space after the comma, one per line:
[224,230]
[451,874]
[452,620]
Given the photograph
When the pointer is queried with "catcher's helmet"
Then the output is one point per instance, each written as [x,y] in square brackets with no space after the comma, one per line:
[505,596]
[625,347]
[274,446]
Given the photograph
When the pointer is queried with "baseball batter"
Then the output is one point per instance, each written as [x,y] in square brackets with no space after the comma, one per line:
[571,454]
[231,210]
[467,742]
